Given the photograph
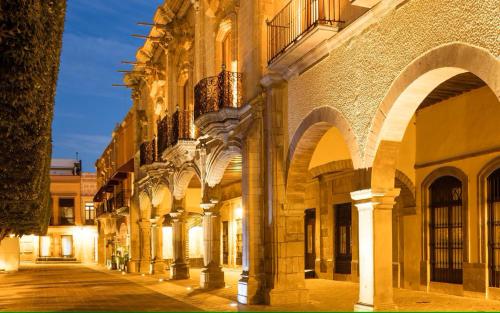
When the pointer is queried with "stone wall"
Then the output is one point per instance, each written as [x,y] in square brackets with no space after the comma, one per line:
[356,76]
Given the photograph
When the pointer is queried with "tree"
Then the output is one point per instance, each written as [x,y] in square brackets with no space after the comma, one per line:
[30,46]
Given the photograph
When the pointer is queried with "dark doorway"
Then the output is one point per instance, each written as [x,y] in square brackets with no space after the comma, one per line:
[494,228]
[225,242]
[446,232]
[309,242]
[343,225]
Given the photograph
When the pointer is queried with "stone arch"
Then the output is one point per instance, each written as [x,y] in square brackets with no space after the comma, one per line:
[307,136]
[482,195]
[161,199]
[426,184]
[407,194]
[145,205]
[218,163]
[182,179]
[412,86]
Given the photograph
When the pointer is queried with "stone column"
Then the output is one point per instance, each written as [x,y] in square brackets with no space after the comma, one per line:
[179,269]
[375,248]
[145,235]
[211,275]
[157,263]
[135,235]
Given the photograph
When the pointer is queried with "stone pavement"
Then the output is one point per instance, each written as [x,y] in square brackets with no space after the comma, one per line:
[93,288]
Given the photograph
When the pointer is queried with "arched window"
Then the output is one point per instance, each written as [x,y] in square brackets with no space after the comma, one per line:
[446,230]
[494,228]
[226,57]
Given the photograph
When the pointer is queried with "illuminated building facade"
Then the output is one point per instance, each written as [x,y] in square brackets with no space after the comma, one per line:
[347,140]
[71,234]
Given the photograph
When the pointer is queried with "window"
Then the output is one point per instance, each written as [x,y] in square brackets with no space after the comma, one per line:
[67,245]
[89,213]
[446,230]
[343,224]
[45,246]
[494,228]
[239,242]
[225,242]
[67,209]
[226,51]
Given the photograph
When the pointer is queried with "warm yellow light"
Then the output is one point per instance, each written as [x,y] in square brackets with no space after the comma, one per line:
[238,213]
[234,69]
[167,248]
[192,127]
[196,242]
[45,246]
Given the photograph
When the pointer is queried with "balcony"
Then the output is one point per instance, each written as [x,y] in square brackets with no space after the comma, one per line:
[218,104]
[118,204]
[299,28]
[217,92]
[148,152]
[176,133]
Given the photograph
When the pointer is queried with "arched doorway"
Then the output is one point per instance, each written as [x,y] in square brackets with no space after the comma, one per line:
[440,112]
[319,220]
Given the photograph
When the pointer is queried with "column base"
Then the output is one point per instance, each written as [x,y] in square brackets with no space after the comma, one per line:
[145,266]
[157,267]
[179,271]
[249,291]
[362,307]
[211,278]
[287,296]
[133,266]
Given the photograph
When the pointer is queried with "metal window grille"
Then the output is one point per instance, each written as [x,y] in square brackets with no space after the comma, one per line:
[494,228]
[446,230]
[343,226]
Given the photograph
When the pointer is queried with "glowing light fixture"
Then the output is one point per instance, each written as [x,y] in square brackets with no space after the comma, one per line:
[238,213]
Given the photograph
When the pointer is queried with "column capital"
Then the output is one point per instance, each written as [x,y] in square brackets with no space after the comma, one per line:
[143,223]
[177,216]
[380,199]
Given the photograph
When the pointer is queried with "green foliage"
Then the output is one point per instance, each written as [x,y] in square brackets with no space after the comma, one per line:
[30,46]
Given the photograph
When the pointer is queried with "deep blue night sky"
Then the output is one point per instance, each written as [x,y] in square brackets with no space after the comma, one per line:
[96,39]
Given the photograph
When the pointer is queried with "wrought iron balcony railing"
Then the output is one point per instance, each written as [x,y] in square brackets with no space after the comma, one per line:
[164,133]
[100,210]
[148,153]
[297,18]
[171,129]
[122,199]
[217,92]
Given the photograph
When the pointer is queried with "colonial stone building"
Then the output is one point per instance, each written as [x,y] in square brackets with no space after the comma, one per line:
[71,235]
[332,139]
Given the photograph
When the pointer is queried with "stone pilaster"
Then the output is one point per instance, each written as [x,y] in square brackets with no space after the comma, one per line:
[375,248]
[284,246]
[145,235]
[211,275]
[135,236]
[250,285]
[179,269]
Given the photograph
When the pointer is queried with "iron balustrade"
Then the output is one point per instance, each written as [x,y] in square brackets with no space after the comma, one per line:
[295,19]
[216,92]
[163,130]
[171,129]
[100,209]
[148,153]
[122,199]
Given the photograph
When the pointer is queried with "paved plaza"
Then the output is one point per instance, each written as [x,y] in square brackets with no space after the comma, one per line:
[90,288]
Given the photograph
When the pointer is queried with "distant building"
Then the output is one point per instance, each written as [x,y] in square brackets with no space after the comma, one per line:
[71,235]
